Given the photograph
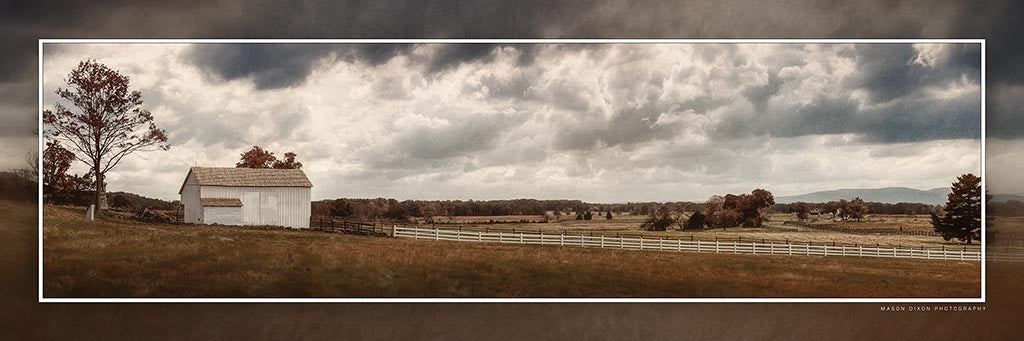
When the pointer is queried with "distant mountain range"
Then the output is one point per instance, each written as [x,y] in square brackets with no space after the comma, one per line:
[891,195]
[1007,197]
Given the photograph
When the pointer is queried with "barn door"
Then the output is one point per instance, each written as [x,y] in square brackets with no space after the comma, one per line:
[251,208]
[268,209]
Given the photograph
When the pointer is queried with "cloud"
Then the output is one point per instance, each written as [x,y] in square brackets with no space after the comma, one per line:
[269,66]
[889,71]
[596,122]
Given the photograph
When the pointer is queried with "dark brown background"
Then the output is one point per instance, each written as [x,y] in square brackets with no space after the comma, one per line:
[22,24]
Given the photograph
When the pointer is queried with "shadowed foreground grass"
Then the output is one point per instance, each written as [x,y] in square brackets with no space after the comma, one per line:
[113,258]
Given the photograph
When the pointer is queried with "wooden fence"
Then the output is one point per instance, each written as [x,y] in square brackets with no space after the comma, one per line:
[346,226]
[693,236]
[642,243]
[1005,238]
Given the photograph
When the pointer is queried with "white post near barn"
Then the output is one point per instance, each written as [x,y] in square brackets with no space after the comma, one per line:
[90,213]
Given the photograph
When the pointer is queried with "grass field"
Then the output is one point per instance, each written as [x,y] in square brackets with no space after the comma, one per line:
[115,258]
[1007,224]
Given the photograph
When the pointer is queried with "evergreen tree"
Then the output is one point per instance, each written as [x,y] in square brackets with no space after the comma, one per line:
[962,214]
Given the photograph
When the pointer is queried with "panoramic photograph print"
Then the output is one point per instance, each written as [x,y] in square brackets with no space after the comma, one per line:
[511,170]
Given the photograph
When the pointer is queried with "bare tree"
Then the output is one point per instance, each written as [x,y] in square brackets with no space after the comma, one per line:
[108,125]
[32,159]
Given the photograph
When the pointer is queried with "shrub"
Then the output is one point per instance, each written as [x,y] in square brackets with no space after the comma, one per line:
[659,220]
[120,201]
[696,221]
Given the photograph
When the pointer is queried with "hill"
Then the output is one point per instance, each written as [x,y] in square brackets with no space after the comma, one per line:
[890,195]
[1007,197]
[138,201]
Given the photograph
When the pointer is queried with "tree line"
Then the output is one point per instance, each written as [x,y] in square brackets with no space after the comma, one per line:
[872,207]
[1012,208]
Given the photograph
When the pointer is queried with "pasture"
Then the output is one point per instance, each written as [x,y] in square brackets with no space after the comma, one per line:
[118,258]
[1007,224]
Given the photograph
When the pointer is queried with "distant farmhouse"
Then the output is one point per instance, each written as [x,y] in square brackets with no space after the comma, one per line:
[246,196]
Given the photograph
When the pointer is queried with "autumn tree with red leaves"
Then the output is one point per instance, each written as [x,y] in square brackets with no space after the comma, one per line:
[257,157]
[105,122]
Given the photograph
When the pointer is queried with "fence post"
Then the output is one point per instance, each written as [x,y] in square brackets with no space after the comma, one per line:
[436,236]
[716,244]
[602,241]
[458,235]
[521,238]
[641,242]
[479,236]
[561,239]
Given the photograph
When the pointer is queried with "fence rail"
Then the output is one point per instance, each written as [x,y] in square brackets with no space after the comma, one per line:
[641,243]
[346,226]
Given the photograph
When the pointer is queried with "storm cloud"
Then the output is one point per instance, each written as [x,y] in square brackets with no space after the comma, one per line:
[272,66]
[996,21]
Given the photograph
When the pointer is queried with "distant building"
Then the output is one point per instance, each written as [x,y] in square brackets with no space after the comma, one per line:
[246,196]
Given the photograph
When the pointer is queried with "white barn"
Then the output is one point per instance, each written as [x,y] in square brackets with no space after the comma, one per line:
[246,196]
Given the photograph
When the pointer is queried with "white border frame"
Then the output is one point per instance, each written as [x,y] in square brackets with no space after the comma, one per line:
[41,146]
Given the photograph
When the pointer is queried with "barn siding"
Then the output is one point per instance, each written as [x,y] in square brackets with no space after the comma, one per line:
[222,215]
[190,198]
[292,203]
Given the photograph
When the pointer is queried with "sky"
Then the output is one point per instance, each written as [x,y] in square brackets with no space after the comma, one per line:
[996,21]
[595,122]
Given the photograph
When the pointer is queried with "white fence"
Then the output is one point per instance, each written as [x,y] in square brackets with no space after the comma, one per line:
[640,243]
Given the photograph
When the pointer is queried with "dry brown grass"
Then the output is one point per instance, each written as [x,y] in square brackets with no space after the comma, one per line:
[1007,224]
[115,258]
[883,222]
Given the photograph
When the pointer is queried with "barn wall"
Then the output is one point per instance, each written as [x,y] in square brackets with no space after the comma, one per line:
[292,204]
[222,215]
[190,199]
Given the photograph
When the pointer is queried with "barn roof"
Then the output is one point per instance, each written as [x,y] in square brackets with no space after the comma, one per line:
[247,177]
[221,202]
